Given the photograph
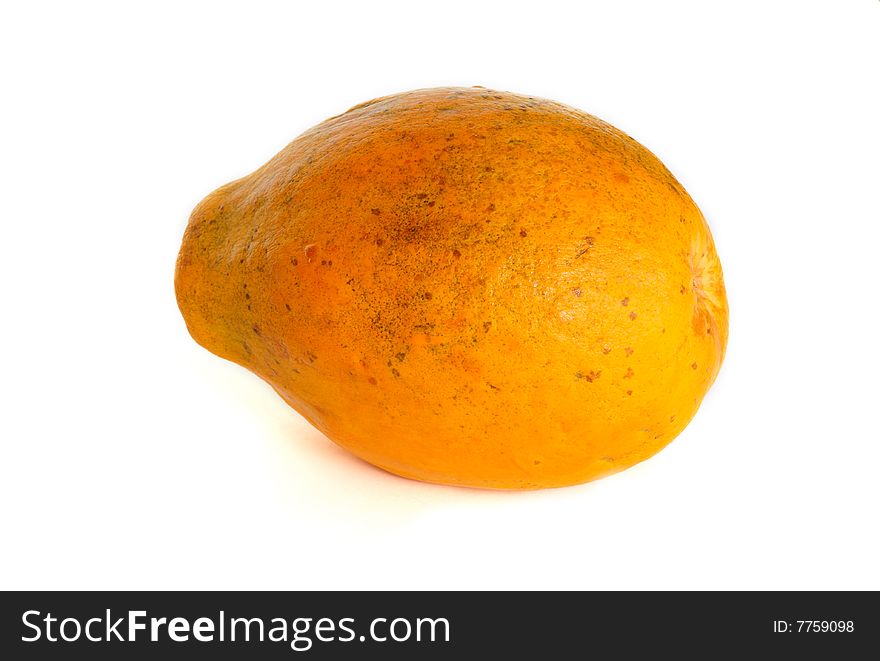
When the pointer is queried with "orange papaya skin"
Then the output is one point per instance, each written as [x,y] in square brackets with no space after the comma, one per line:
[466,287]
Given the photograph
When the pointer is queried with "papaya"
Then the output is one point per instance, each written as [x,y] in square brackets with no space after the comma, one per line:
[467,287]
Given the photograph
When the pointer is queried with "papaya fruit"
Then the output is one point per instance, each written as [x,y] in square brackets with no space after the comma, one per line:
[467,287]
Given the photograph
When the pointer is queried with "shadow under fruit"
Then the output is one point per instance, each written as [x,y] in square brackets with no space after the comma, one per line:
[465,286]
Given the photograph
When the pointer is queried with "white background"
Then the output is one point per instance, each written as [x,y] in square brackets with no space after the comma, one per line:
[132,458]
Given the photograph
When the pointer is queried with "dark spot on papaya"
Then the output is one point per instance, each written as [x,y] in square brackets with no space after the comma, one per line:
[629,373]
[585,247]
[486,326]
[375,212]
[625,301]
[287,305]
[456,253]
[379,242]
[629,392]
[294,261]
[395,372]
[633,315]
[428,296]
[400,356]
[523,233]
[693,366]
[372,380]
[577,291]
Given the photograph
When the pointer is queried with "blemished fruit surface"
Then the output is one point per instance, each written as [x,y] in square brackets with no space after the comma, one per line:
[467,287]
